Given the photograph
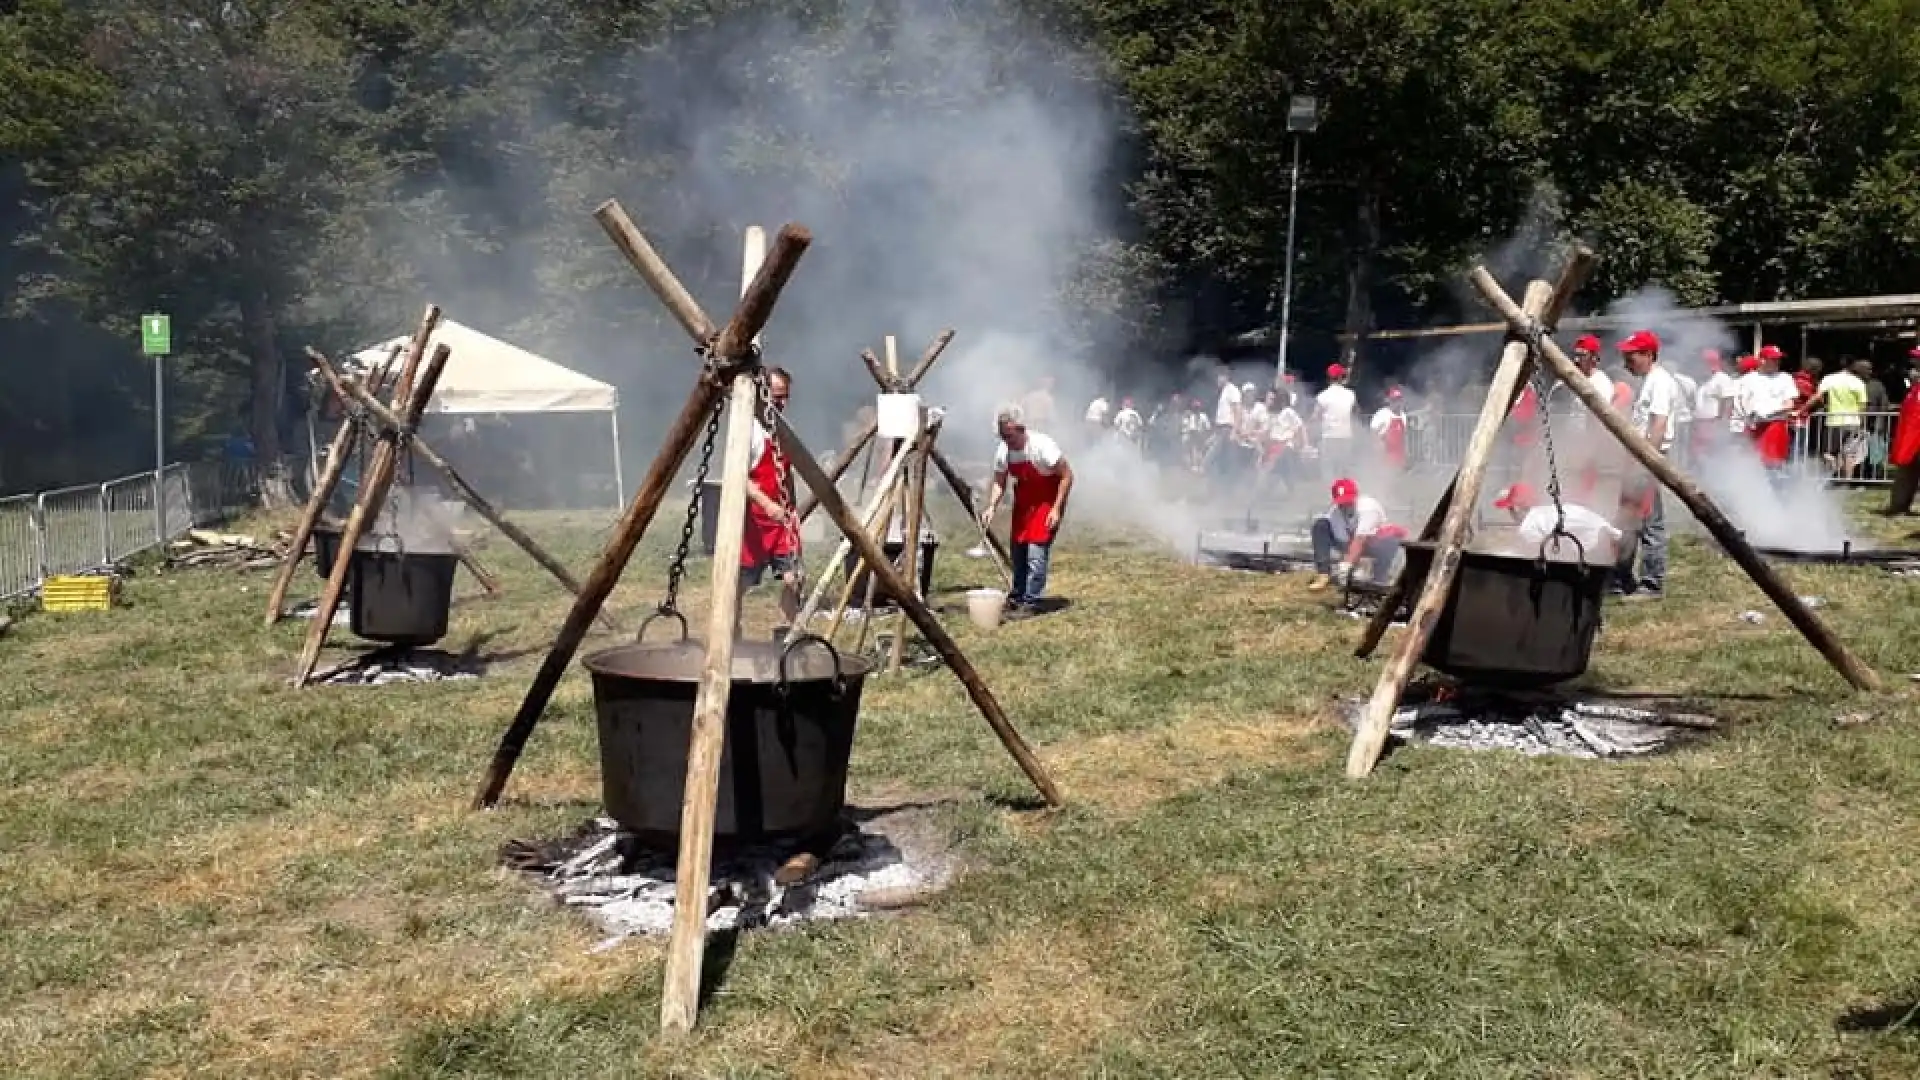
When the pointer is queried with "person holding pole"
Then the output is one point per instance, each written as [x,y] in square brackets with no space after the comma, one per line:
[1041,480]
[1655,414]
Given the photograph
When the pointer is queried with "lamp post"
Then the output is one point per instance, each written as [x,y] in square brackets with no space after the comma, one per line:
[1303,118]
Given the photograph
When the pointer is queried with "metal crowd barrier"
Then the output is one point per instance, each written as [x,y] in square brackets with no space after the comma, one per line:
[93,526]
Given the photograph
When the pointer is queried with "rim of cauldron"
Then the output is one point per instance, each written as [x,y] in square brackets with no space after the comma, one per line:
[1568,555]
[753,661]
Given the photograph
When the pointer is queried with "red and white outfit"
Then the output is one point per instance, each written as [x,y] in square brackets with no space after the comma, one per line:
[1035,472]
[1389,425]
[769,543]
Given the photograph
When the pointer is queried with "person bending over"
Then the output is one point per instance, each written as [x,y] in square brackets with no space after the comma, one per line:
[1599,540]
[1354,527]
[772,541]
[1041,479]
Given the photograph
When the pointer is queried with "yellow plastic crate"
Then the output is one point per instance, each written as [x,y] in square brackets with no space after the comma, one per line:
[77,592]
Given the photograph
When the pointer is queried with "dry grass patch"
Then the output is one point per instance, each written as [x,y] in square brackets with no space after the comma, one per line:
[1125,773]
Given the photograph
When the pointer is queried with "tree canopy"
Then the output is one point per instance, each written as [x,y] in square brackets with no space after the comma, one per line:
[274,174]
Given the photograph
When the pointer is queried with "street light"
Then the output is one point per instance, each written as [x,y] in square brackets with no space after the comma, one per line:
[1303,118]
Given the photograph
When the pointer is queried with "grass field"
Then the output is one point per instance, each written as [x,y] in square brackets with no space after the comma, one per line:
[204,873]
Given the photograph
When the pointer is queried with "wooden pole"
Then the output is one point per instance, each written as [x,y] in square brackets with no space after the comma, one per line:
[920,368]
[748,318]
[1857,674]
[916,506]
[893,360]
[1573,277]
[923,619]
[480,574]
[879,528]
[345,443]
[963,491]
[390,424]
[1371,735]
[374,486]
[845,461]
[883,497]
[839,467]
[686,949]
[886,380]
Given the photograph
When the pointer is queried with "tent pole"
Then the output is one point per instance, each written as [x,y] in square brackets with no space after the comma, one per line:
[619,472]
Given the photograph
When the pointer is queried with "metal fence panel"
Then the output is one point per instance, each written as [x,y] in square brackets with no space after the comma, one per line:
[176,493]
[19,547]
[73,535]
[128,506]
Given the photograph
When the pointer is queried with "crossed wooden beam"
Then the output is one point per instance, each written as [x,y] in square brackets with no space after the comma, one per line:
[729,365]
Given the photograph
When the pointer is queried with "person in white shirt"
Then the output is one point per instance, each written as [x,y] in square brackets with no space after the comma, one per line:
[1774,396]
[1228,415]
[1127,422]
[1748,390]
[1255,422]
[1389,426]
[1333,410]
[1354,527]
[1286,433]
[1097,411]
[1654,410]
[1034,467]
[1598,539]
[1712,405]
[1586,356]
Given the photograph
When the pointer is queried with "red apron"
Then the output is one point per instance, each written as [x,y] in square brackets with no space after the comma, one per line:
[765,537]
[1774,439]
[1394,441]
[1526,418]
[1906,431]
[1034,493]
[1622,397]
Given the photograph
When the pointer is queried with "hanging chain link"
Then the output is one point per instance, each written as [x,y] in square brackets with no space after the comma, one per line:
[677,570]
[1542,383]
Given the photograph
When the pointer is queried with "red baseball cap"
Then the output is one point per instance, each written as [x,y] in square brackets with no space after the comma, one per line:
[1752,363]
[1771,352]
[1336,371]
[1345,492]
[1517,497]
[1640,341]
[1712,358]
[1587,343]
[1393,392]
[1914,352]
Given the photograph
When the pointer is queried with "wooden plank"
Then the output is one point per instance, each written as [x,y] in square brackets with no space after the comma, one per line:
[910,538]
[1370,737]
[686,949]
[1731,539]
[882,499]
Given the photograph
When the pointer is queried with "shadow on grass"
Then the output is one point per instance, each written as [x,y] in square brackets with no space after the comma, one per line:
[1901,1014]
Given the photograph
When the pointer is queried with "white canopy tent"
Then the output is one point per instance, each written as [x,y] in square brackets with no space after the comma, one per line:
[487,376]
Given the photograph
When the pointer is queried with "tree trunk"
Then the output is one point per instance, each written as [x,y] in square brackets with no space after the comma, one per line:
[269,381]
[1360,272]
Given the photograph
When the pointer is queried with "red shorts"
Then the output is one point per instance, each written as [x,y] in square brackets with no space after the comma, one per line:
[1774,438]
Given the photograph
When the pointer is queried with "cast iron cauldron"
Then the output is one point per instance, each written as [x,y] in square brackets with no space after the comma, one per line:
[895,552]
[790,721]
[1513,621]
[326,548]
[401,597]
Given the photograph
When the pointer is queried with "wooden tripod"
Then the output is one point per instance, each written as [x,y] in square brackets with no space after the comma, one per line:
[729,362]
[1529,341]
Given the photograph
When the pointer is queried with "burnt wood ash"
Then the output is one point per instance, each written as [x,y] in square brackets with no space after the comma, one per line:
[1566,722]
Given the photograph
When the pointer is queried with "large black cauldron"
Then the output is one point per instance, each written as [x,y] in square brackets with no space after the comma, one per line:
[326,548]
[401,597]
[1513,621]
[790,721]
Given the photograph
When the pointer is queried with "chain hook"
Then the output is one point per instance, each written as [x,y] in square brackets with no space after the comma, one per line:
[1534,336]
[677,570]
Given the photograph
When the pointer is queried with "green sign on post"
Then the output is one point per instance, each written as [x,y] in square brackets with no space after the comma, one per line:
[156,335]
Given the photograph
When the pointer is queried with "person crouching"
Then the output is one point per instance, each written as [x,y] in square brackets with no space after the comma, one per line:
[1354,527]
[1597,538]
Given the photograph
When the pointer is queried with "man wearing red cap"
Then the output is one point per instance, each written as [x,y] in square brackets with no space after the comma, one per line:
[1748,388]
[1653,413]
[1389,425]
[1904,454]
[1333,420]
[1598,539]
[1354,527]
[1772,408]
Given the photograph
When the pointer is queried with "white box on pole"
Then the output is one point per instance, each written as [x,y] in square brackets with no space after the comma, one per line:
[898,416]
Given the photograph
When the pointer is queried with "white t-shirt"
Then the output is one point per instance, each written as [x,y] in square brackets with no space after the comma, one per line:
[1749,396]
[1128,423]
[1593,531]
[1258,423]
[1659,396]
[1383,419]
[1041,452]
[1097,411]
[1602,384]
[1718,389]
[1287,427]
[1779,393]
[1335,412]
[1369,516]
[1689,389]
[1223,412]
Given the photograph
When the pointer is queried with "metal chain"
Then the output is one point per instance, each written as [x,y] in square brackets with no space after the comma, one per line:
[670,604]
[1541,385]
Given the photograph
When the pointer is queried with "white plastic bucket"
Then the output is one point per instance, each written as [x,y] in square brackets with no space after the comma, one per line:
[985,607]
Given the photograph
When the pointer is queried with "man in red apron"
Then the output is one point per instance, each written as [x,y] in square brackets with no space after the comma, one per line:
[1041,480]
[1904,454]
[1389,425]
[772,540]
[1772,434]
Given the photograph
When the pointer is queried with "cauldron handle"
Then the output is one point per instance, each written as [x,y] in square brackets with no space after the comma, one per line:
[379,544]
[809,639]
[663,613]
[1552,538]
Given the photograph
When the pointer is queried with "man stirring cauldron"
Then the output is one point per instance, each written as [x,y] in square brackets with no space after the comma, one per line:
[1357,526]
[772,541]
[1041,481]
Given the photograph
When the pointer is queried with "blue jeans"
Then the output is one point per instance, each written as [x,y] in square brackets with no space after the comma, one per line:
[1330,541]
[1652,554]
[1029,571]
